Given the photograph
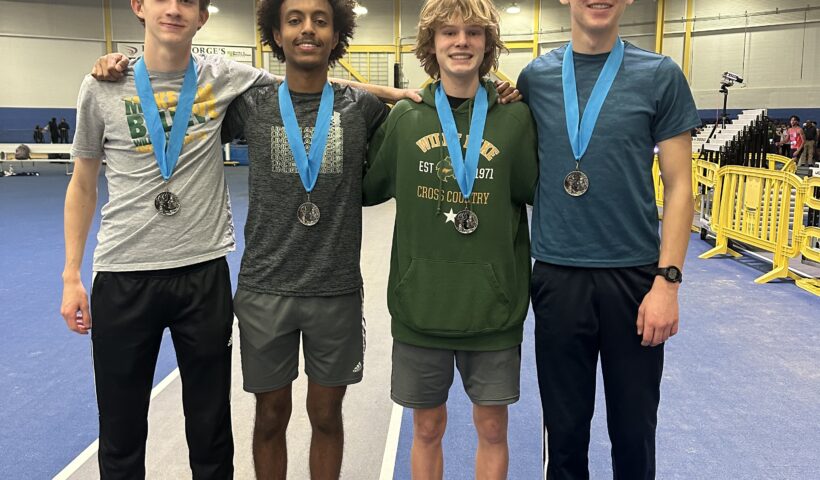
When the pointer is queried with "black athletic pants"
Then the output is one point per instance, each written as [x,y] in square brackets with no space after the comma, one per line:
[130,310]
[581,313]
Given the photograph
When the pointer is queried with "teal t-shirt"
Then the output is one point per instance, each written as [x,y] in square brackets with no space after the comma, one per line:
[615,224]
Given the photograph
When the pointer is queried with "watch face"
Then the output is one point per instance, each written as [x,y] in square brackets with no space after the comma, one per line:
[670,274]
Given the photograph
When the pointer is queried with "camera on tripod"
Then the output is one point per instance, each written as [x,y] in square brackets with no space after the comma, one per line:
[729,79]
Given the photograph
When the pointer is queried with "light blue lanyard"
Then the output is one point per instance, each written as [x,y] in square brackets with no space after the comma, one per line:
[465,167]
[308,165]
[166,155]
[580,133]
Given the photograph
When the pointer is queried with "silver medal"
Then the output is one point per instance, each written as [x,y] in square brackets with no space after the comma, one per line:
[576,183]
[466,222]
[308,214]
[167,203]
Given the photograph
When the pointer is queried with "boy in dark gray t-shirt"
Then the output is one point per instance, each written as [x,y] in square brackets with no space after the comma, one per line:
[300,277]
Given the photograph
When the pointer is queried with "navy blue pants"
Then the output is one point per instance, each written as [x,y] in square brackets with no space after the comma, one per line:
[581,313]
[130,311]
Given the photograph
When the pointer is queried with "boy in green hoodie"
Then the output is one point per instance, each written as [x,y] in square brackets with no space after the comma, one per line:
[460,268]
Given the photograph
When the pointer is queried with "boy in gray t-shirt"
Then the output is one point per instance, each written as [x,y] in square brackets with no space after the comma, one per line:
[160,259]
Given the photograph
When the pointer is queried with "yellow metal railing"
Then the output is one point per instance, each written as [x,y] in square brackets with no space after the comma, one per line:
[762,208]
[810,236]
[658,181]
[779,162]
[754,206]
[704,173]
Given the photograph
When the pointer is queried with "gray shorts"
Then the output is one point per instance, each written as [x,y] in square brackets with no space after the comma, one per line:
[270,327]
[422,376]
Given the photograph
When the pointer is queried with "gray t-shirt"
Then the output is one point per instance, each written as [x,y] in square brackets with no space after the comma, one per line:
[110,124]
[282,256]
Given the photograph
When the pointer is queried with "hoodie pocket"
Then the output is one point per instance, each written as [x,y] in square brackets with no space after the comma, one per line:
[451,299]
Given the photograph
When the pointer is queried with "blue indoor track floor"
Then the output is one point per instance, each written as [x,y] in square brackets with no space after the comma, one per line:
[740,392]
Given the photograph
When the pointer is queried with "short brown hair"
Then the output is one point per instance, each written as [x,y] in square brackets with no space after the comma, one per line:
[269,18]
[436,13]
[203,5]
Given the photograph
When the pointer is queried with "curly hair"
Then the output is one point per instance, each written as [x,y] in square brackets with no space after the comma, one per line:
[203,5]
[269,19]
[436,13]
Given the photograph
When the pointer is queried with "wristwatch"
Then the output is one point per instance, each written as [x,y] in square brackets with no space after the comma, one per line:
[670,274]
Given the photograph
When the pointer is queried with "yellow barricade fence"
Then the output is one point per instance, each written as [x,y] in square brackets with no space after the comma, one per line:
[810,236]
[754,206]
[703,173]
[759,207]
[779,162]
[658,181]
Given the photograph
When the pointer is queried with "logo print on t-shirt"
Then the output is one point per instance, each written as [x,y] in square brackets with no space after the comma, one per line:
[282,158]
[444,170]
[203,111]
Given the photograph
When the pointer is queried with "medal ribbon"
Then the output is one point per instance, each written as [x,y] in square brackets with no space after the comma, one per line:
[579,136]
[308,165]
[465,166]
[166,155]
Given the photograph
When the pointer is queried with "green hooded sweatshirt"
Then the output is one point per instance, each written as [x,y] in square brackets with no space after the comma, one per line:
[446,289]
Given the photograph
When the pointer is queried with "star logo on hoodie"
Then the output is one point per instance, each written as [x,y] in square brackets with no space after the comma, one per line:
[451,216]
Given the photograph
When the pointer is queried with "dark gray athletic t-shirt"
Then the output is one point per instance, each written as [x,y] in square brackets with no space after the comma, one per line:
[282,256]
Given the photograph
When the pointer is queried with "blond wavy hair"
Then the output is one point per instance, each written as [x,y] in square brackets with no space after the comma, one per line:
[436,13]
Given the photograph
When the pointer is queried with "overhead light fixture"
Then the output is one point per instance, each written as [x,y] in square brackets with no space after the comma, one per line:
[213,9]
[513,9]
[360,9]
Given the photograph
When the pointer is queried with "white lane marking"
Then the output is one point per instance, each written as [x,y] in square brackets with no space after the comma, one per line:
[391,444]
[79,461]
[91,450]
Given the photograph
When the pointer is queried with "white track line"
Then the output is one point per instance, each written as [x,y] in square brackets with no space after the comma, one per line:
[79,461]
[391,444]
[91,450]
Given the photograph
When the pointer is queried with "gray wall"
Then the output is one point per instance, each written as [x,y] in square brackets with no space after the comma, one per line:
[46,47]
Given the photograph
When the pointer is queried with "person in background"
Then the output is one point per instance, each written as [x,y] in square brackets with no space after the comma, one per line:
[796,138]
[38,134]
[64,127]
[54,130]
[784,145]
[810,134]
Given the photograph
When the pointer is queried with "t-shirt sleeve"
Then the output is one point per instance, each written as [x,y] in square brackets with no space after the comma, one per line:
[375,112]
[524,178]
[90,132]
[675,108]
[243,77]
[523,84]
[379,184]
[237,115]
